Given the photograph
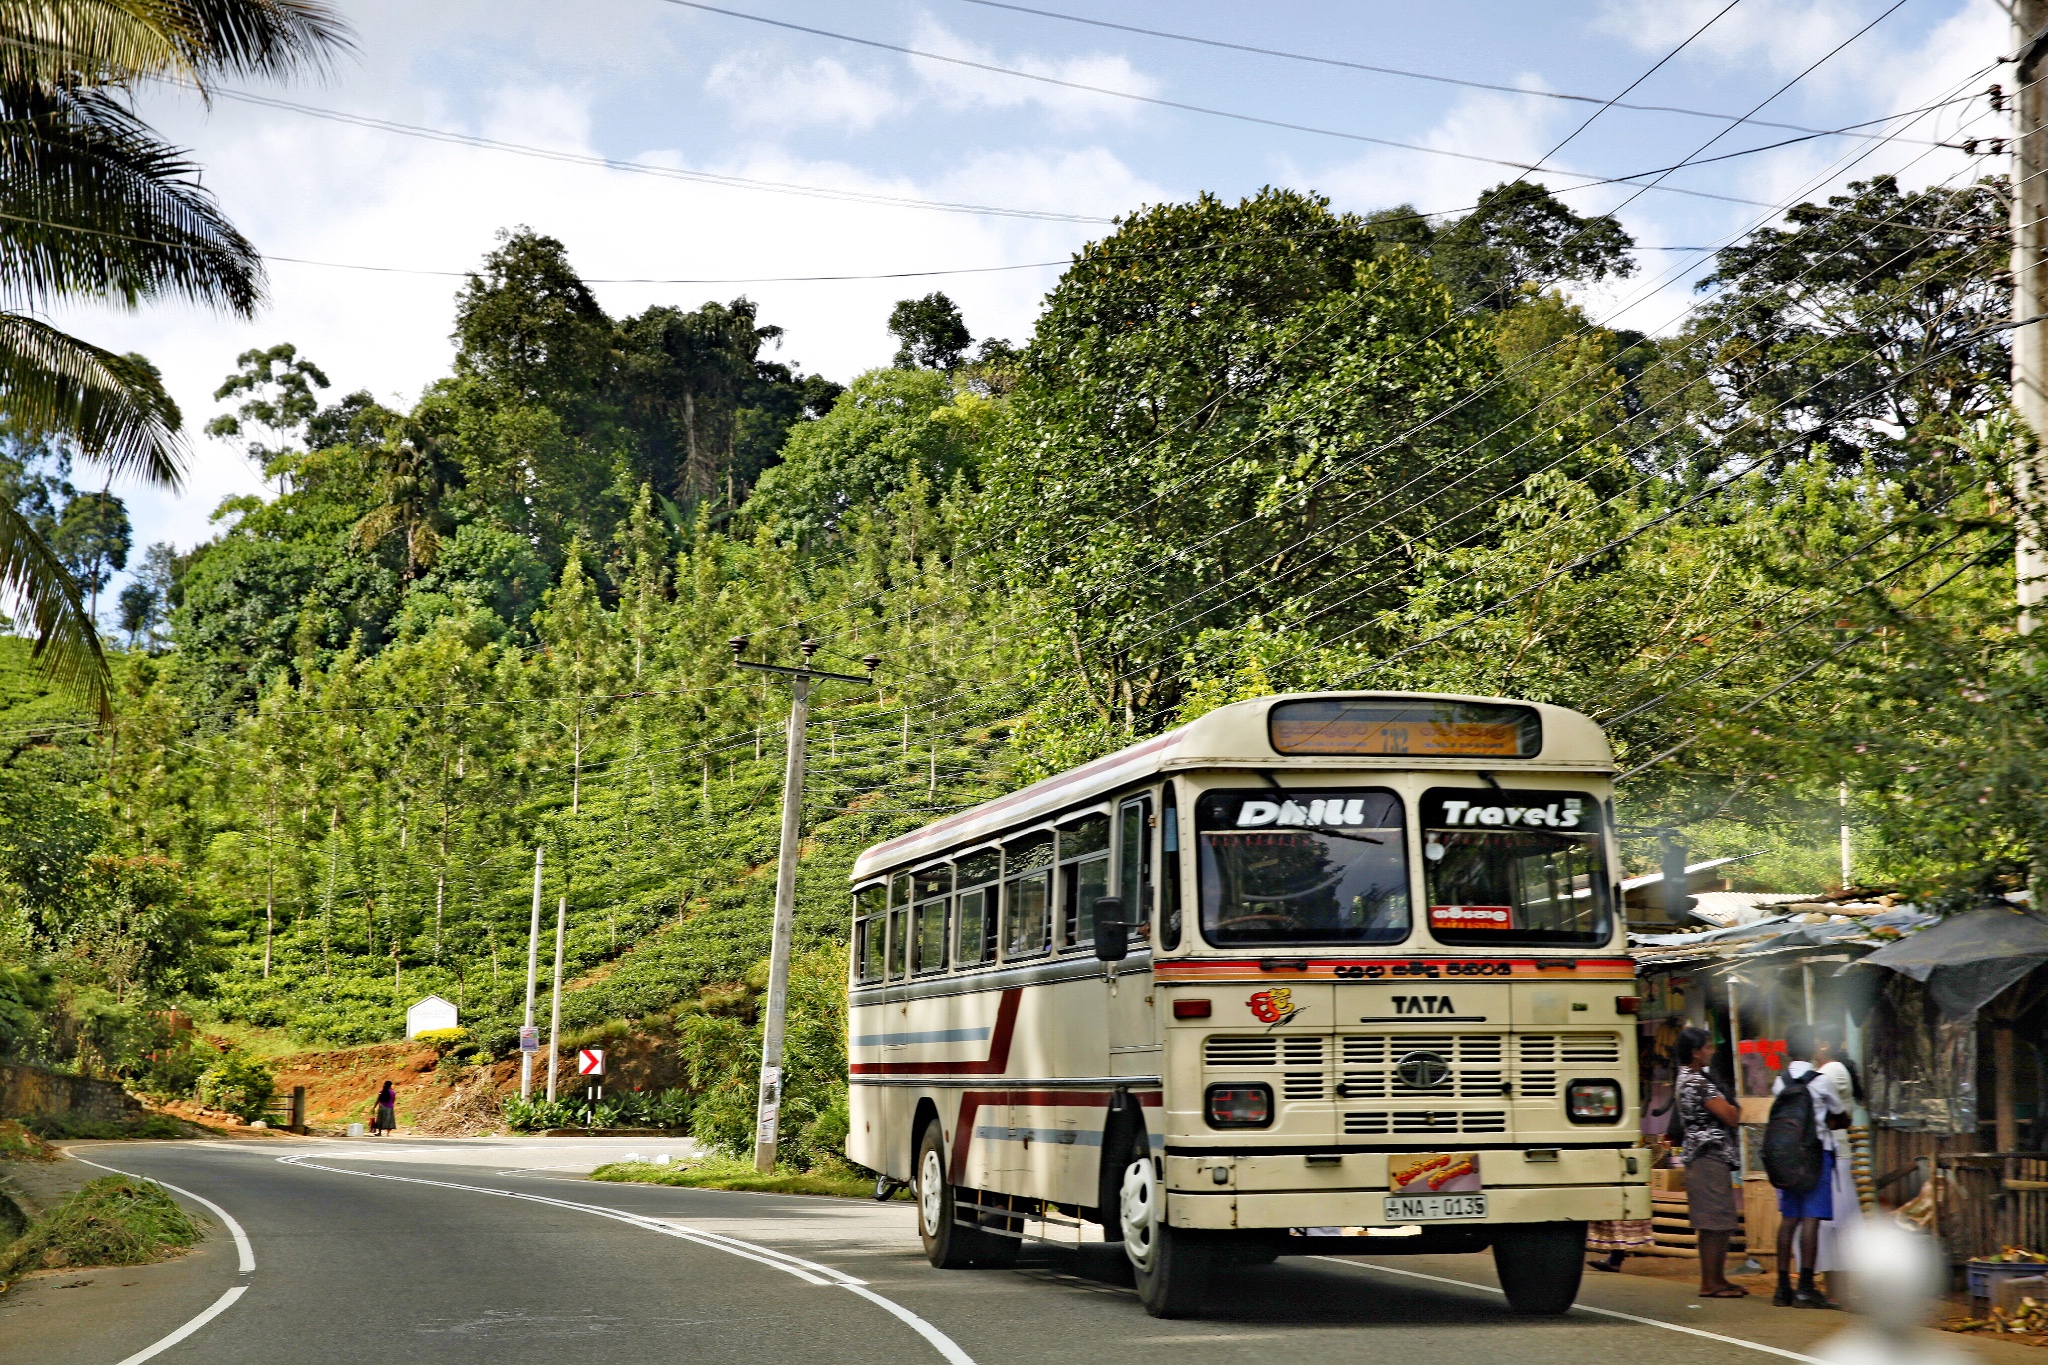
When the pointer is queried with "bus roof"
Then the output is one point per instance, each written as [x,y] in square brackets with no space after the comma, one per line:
[1236,735]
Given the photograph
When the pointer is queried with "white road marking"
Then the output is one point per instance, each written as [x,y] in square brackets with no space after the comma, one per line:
[1587,1308]
[811,1272]
[242,1247]
[220,1305]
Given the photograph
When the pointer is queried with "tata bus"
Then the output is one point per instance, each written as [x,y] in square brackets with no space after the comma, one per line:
[1333,972]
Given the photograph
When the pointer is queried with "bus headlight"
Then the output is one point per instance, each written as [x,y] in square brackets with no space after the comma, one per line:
[1240,1106]
[1593,1101]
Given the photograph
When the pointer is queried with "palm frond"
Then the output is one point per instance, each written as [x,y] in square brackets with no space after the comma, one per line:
[91,201]
[67,649]
[50,42]
[113,406]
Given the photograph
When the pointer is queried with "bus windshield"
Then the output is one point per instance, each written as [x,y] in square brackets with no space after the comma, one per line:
[1302,867]
[1508,867]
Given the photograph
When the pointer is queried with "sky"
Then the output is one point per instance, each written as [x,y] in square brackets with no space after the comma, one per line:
[861,159]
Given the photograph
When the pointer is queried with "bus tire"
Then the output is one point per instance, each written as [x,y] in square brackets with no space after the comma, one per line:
[1170,1265]
[1540,1265]
[947,1243]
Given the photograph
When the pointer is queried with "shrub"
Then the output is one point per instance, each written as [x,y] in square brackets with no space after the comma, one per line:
[115,1220]
[237,1084]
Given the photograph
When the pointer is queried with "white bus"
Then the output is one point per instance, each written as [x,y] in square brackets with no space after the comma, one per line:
[1183,997]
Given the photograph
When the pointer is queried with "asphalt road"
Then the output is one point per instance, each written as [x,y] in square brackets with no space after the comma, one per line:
[413,1251]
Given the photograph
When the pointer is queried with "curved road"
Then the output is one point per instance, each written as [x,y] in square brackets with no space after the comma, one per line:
[414,1252]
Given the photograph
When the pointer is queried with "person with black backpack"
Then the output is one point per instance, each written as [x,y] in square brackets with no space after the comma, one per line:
[1799,1158]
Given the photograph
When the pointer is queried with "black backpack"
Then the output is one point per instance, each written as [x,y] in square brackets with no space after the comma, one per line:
[1792,1150]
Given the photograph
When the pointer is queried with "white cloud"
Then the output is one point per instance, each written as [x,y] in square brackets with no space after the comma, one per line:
[964,87]
[766,93]
[327,192]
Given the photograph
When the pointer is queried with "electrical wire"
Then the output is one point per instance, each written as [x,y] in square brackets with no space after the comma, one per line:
[1615,102]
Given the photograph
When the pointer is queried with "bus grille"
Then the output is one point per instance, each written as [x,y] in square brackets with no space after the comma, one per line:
[1304,1059]
[1569,1049]
[1369,1124]
[1370,1061]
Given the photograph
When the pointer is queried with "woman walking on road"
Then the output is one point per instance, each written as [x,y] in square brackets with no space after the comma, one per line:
[1709,1121]
[387,1111]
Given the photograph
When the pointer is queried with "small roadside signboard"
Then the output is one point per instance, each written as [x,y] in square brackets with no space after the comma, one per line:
[590,1061]
[529,1038]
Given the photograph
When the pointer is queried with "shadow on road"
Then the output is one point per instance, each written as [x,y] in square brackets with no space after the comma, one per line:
[1292,1292]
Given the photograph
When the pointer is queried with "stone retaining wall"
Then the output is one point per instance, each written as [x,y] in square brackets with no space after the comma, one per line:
[31,1092]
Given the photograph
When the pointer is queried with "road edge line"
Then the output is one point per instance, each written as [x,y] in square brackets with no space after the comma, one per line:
[950,1349]
[219,1306]
[245,1253]
[1587,1308]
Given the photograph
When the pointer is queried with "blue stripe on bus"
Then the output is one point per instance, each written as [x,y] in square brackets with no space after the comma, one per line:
[1065,1137]
[942,1035]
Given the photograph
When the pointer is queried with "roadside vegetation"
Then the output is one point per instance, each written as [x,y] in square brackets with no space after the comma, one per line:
[1247,448]
[114,1220]
[833,1177]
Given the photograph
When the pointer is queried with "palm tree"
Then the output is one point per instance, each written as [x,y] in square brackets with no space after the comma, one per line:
[94,205]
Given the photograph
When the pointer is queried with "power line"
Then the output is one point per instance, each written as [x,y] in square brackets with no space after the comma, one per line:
[1180,105]
[1614,103]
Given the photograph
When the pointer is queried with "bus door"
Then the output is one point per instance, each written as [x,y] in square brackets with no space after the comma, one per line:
[1134,1042]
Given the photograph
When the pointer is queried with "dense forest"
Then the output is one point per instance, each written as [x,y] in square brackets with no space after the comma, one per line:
[1246,448]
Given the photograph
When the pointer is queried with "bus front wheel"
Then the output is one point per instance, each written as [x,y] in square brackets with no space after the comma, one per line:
[1170,1264]
[1540,1265]
[949,1244]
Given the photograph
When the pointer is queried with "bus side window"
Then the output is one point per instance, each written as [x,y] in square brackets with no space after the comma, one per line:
[1084,877]
[1169,872]
[934,892]
[899,924]
[975,939]
[1134,869]
[1027,895]
[870,928]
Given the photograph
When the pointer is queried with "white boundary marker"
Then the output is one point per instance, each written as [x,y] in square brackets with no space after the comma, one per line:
[220,1305]
[245,1256]
[1586,1308]
[810,1272]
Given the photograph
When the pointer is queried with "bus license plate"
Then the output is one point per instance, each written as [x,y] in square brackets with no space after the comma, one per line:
[1425,1208]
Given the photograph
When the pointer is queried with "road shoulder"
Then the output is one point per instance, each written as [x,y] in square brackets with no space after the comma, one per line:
[98,1314]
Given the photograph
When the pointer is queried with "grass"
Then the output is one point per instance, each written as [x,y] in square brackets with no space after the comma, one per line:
[149,1126]
[22,1144]
[834,1179]
[114,1220]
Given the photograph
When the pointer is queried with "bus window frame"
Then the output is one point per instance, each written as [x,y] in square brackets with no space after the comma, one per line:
[1065,913]
[915,968]
[1145,902]
[992,899]
[896,964]
[1050,872]
[865,926]
[1173,888]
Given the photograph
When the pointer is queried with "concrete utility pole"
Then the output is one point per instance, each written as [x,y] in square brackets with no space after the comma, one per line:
[532,971]
[555,1000]
[2030,295]
[800,679]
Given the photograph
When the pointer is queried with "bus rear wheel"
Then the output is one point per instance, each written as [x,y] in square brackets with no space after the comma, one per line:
[1171,1265]
[1540,1265]
[949,1244]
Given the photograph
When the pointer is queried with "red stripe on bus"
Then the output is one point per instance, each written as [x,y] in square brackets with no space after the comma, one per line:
[972,1100]
[997,1063]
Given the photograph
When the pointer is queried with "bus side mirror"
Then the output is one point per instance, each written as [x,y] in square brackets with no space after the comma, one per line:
[1112,935]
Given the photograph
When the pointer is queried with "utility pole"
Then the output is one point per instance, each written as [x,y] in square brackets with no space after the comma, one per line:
[2030,297]
[532,971]
[555,998]
[800,679]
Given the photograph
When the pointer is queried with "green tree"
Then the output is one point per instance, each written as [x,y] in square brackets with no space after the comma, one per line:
[930,333]
[92,538]
[97,206]
[280,405]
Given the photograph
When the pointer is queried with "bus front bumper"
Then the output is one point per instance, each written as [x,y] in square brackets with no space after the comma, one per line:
[1290,1191]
